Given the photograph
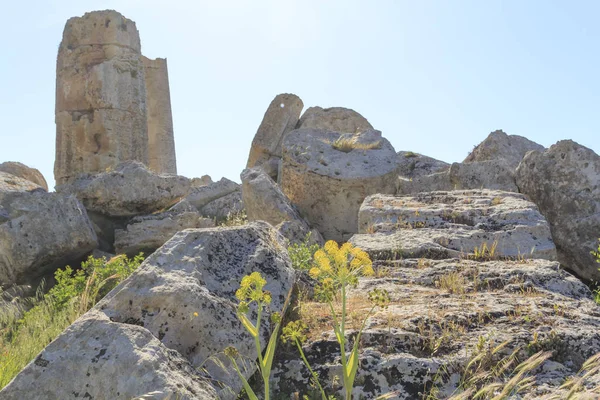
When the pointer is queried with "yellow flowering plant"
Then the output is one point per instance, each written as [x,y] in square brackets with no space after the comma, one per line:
[251,292]
[336,268]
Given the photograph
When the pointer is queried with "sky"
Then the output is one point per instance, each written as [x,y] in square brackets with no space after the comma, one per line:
[436,77]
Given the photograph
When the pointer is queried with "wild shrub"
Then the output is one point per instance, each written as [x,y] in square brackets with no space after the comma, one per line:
[237,218]
[302,254]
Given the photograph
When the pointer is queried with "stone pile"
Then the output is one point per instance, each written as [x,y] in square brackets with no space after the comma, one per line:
[491,165]
[471,253]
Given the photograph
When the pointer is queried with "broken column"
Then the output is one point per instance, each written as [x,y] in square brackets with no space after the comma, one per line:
[281,117]
[100,96]
[161,143]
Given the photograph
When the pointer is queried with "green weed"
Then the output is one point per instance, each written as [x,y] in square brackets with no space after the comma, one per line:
[75,292]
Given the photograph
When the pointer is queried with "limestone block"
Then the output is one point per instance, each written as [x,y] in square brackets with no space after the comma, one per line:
[499,146]
[328,185]
[413,165]
[451,224]
[128,190]
[336,119]
[280,118]
[40,232]
[25,172]
[564,182]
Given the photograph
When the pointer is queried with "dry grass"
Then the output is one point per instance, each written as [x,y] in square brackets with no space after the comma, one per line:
[437,336]
[452,282]
[348,144]
[371,229]
[317,316]
[235,219]
[484,252]
[496,201]
[578,385]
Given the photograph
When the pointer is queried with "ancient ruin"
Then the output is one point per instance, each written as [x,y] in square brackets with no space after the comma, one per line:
[107,109]
[475,279]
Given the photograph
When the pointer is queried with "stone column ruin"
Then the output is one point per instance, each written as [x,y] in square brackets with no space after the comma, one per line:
[161,143]
[107,110]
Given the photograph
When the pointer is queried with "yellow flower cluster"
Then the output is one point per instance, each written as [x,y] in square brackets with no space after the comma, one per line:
[251,289]
[340,264]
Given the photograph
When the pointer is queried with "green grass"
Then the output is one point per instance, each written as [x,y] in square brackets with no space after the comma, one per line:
[23,337]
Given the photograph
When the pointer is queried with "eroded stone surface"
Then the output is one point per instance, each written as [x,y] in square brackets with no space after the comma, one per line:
[499,146]
[202,195]
[100,96]
[429,330]
[451,224]
[161,142]
[40,232]
[280,118]
[492,174]
[147,233]
[337,119]
[222,207]
[10,183]
[128,190]
[564,182]
[328,185]
[103,360]
[264,201]
[413,165]
[25,172]
[198,271]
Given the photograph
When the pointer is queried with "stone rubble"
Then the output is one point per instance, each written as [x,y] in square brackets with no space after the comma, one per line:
[425,223]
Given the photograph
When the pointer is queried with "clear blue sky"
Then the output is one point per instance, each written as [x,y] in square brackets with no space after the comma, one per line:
[434,76]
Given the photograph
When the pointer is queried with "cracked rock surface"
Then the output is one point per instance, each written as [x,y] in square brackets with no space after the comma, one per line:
[166,321]
[451,224]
